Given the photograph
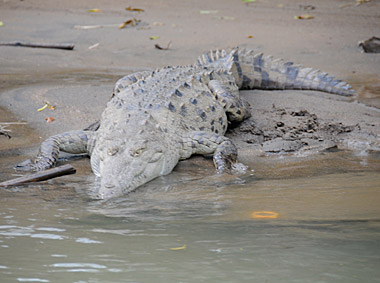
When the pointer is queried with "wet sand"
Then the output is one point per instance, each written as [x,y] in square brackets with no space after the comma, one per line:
[80,82]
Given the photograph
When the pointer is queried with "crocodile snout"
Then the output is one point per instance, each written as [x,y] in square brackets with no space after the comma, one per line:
[109,189]
[109,185]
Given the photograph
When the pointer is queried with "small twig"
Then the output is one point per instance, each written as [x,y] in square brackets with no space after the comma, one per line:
[41,176]
[65,46]
[163,48]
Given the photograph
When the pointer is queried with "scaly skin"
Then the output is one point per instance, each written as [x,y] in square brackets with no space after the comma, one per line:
[154,119]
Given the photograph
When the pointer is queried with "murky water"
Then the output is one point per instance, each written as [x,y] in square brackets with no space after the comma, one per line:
[194,226]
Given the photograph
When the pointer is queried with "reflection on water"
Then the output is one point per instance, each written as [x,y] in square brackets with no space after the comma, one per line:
[194,226]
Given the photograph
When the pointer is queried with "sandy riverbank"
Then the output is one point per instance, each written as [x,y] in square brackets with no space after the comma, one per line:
[80,82]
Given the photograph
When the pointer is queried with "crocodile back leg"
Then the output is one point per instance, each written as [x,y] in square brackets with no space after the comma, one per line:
[227,93]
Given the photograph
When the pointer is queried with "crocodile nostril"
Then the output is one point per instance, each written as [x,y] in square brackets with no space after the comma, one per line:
[109,185]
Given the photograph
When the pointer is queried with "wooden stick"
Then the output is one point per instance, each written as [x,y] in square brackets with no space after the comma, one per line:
[41,176]
[64,46]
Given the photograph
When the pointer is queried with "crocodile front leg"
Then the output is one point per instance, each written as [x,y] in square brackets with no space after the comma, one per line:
[225,152]
[75,142]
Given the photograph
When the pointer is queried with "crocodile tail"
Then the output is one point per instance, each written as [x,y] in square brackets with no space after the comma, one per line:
[255,71]
[212,58]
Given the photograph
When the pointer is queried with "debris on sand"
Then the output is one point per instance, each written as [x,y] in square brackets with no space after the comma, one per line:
[371,45]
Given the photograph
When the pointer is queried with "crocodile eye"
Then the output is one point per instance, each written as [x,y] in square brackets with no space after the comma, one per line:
[137,152]
[112,151]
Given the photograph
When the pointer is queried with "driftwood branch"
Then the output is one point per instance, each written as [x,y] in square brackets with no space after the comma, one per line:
[65,46]
[41,176]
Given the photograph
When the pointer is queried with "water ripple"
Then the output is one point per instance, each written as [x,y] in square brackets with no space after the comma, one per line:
[47,236]
[32,280]
[87,241]
[78,265]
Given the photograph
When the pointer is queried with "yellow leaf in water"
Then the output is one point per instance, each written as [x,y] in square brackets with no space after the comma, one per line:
[248,1]
[154,37]
[94,10]
[264,214]
[1,24]
[250,36]
[304,17]
[179,248]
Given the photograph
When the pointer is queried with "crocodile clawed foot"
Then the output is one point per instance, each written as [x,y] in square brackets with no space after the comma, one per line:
[238,168]
[228,164]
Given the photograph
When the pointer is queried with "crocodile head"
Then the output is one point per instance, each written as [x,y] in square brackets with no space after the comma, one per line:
[125,162]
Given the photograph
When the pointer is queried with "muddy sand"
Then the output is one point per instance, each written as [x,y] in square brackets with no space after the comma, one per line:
[79,82]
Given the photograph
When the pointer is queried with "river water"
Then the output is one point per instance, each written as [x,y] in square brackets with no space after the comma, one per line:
[195,226]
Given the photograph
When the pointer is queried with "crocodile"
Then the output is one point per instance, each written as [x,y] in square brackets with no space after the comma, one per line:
[157,118]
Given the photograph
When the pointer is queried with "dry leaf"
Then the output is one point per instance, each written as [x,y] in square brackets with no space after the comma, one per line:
[94,10]
[123,25]
[51,107]
[49,119]
[134,9]
[250,36]
[154,37]
[304,17]
[163,48]
[131,22]
[179,248]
